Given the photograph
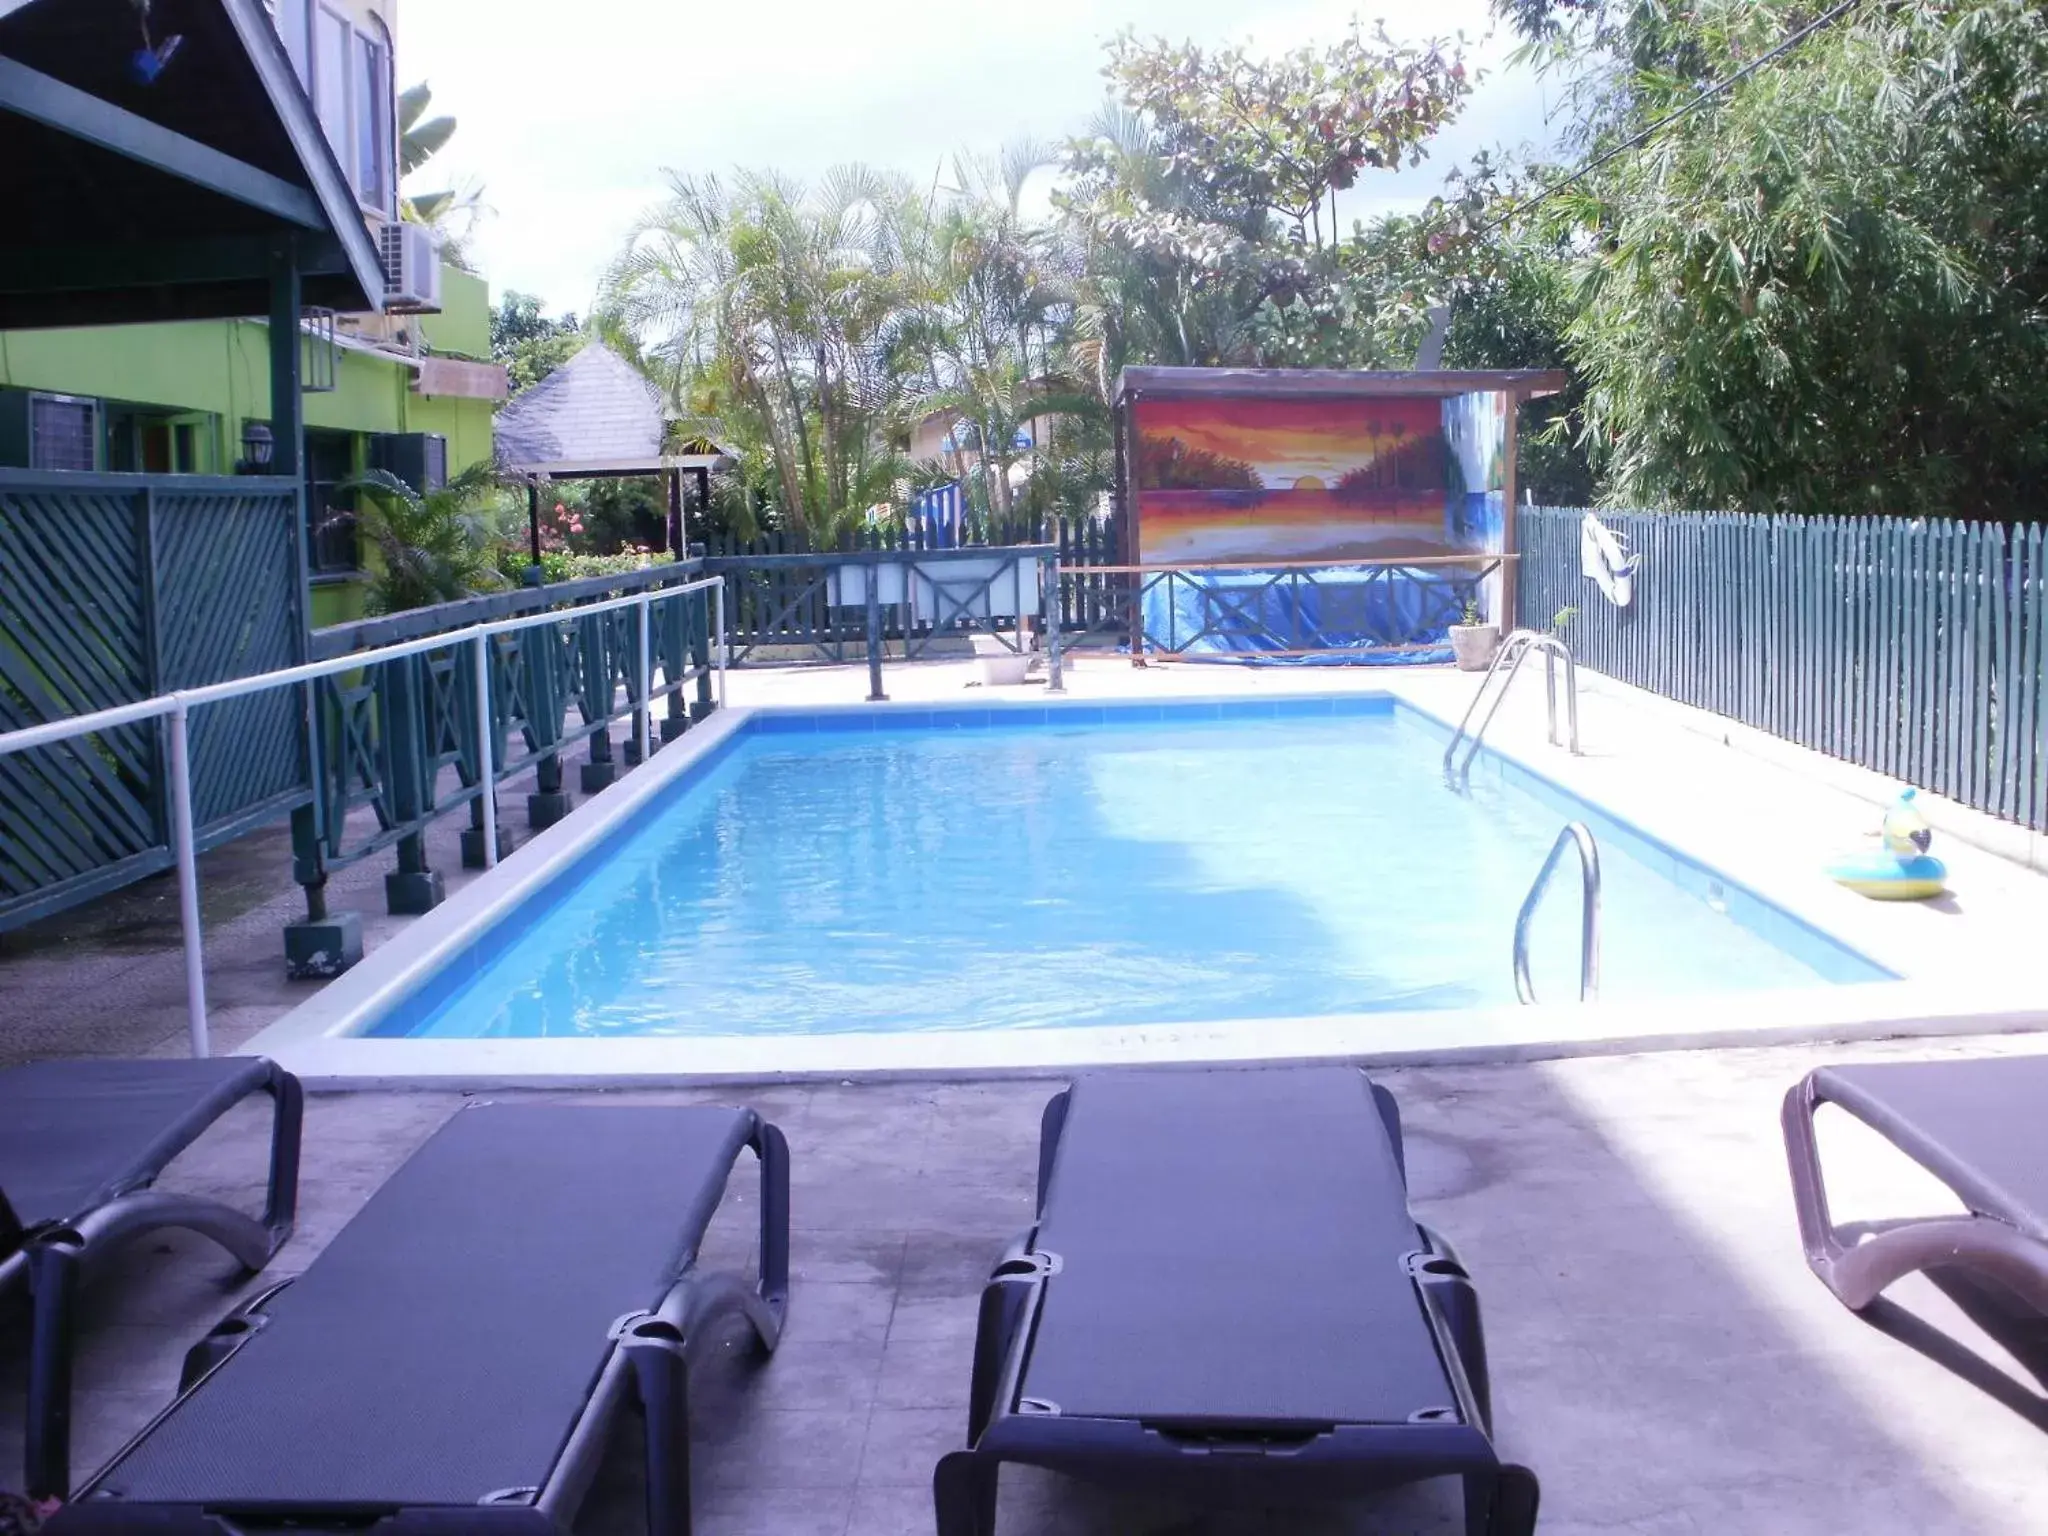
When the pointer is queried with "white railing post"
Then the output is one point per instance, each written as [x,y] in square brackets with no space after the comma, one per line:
[643,722]
[184,846]
[486,750]
[718,608]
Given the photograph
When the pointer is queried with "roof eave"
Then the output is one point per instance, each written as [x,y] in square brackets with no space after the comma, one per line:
[1337,384]
[577,469]
[295,112]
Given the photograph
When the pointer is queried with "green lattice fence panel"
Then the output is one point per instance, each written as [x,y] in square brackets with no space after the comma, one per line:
[74,637]
[227,606]
[114,588]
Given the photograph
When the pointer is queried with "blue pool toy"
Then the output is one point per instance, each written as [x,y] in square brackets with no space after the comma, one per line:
[1902,870]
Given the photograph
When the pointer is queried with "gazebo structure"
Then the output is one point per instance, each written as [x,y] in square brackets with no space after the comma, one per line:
[597,418]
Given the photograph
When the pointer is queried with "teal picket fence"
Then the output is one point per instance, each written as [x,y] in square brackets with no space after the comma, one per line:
[1912,647]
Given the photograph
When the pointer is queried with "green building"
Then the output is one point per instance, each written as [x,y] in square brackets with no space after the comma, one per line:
[409,392]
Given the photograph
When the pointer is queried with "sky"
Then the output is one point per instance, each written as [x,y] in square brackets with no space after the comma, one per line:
[1286,439]
[570,116]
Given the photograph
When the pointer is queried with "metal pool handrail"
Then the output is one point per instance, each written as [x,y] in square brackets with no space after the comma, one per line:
[175,709]
[1578,834]
[1513,652]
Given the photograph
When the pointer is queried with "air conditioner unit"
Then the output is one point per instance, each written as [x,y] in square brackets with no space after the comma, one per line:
[412,267]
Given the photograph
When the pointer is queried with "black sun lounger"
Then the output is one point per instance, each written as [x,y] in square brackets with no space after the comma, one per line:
[452,1361]
[81,1142]
[1225,1298]
[1981,1128]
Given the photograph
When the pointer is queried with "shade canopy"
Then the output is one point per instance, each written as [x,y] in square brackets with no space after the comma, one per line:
[174,199]
[596,415]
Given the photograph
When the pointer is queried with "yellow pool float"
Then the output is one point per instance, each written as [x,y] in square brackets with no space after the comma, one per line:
[1901,870]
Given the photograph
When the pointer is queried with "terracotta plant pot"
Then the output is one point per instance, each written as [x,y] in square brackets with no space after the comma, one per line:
[1474,645]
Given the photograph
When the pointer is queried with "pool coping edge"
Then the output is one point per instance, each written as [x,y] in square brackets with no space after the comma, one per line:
[320,1040]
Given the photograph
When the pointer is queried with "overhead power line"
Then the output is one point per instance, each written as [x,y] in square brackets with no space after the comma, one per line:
[1642,136]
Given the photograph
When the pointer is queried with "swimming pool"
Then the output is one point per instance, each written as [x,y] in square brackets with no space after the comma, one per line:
[1063,866]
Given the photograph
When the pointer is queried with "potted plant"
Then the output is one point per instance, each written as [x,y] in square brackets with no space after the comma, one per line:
[1000,665]
[1474,642]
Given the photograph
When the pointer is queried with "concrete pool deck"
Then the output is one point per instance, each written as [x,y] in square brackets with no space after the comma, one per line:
[1660,1354]
[1769,825]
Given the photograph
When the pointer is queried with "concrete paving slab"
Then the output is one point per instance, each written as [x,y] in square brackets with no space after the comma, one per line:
[1660,1354]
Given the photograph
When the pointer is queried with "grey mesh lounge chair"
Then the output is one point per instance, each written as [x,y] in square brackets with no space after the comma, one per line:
[1979,1127]
[451,1362]
[1225,1298]
[81,1142]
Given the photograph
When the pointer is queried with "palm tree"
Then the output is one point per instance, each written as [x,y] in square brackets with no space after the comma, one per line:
[766,305]
[988,293]
[814,328]
[451,214]
[431,547]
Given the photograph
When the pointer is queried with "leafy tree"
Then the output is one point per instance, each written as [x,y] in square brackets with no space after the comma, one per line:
[1281,137]
[1511,295]
[1200,199]
[1826,290]
[529,343]
[1170,272]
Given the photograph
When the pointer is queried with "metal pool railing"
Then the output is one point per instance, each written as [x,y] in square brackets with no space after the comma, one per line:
[1513,652]
[175,710]
[1575,834]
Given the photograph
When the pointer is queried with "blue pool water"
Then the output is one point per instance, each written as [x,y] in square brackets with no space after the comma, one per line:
[1091,867]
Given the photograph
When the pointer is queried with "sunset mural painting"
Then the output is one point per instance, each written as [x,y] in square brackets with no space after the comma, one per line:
[1235,481]
[1278,471]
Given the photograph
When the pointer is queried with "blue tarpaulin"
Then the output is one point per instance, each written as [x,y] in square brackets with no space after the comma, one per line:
[1351,615]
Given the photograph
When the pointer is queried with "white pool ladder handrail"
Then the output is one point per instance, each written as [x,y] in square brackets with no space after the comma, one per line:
[1575,834]
[1513,652]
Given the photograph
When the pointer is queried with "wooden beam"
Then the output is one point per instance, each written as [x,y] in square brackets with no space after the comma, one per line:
[32,94]
[287,408]
[90,268]
[454,378]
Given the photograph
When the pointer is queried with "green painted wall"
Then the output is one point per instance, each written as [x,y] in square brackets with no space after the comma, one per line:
[223,367]
[337,602]
[464,324]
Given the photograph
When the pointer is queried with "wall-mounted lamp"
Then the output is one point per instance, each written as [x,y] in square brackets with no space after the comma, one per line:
[258,448]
